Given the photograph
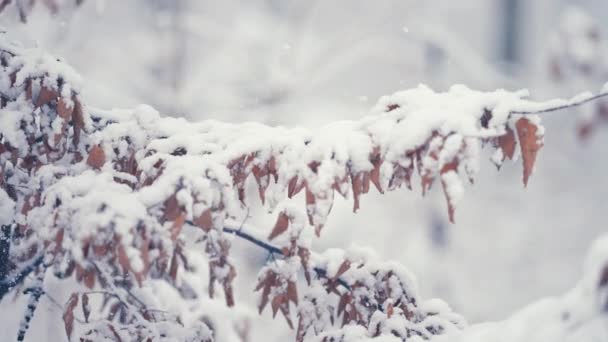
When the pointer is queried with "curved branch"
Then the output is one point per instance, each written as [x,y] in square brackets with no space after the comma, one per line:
[568,104]
[272,249]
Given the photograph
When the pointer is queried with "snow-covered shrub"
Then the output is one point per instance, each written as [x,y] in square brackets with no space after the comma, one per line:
[133,206]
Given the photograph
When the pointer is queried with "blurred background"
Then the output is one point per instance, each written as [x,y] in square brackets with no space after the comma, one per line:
[306,62]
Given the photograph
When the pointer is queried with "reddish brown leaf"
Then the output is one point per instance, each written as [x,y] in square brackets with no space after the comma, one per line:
[345,300]
[45,96]
[228,292]
[277,302]
[357,184]
[285,311]
[77,119]
[64,110]
[97,157]
[530,145]
[204,221]
[376,160]
[304,255]
[172,209]
[292,292]
[280,226]
[507,143]
[176,228]
[68,315]
[272,168]
[28,89]
[389,310]
[294,186]
[345,266]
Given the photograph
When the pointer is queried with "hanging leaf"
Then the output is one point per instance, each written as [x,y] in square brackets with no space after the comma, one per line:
[280,226]
[97,157]
[46,95]
[68,315]
[204,221]
[530,145]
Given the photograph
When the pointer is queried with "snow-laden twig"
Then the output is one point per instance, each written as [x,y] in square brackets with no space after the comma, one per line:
[556,105]
[35,291]
[274,250]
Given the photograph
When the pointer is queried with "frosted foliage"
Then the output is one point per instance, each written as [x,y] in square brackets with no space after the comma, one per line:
[136,210]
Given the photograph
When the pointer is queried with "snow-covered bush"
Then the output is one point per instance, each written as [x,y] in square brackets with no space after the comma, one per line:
[135,207]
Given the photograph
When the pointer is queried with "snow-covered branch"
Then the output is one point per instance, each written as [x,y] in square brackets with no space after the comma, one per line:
[107,196]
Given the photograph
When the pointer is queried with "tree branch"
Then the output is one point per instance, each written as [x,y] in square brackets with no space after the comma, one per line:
[35,291]
[568,104]
[7,284]
[273,249]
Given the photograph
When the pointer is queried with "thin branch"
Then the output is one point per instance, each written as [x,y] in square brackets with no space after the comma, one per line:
[570,104]
[36,292]
[271,249]
[7,284]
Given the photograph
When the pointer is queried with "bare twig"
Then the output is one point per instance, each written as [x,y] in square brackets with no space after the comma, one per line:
[563,106]
[271,249]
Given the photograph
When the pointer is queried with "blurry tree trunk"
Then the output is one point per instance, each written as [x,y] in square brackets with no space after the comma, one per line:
[510,11]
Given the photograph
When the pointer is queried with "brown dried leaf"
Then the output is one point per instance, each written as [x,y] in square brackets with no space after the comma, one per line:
[172,209]
[507,143]
[292,292]
[304,255]
[228,291]
[280,226]
[177,226]
[64,110]
[68,315]
[277,302]
[97,157]
[77,119]
[294,186]
[204,221]
[389,310]
[530,145]
[345,266]
[376,160]
[28,88]
[345,300]
[45,96]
